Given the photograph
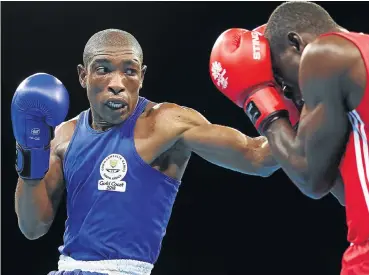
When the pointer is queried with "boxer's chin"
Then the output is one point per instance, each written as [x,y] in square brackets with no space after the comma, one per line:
[116,115]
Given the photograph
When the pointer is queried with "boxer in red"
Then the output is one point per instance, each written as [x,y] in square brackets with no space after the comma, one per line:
[327,67]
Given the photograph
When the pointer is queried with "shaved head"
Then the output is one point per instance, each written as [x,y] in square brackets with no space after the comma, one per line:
[110,38]
[297,16]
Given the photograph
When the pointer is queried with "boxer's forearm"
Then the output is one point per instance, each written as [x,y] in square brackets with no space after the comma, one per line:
[32,207]
[229,148]
[288,150]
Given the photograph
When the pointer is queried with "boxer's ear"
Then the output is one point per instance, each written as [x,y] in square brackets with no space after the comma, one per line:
[82,73]
[296,41]
[143,71]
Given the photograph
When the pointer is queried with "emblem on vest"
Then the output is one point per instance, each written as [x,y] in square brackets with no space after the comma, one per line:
[112,170]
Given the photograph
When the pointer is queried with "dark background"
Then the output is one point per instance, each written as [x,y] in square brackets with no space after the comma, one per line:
[223,222]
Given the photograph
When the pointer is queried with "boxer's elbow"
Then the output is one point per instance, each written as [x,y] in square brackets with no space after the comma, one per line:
[257,165]
[310,192]
[306,181]
[318,192]
[266,166]
[30,235]
[34,231]
[266,171]
[316,188]
[254,167]
[35,211]
[315,195]
[264,163]
[32,225]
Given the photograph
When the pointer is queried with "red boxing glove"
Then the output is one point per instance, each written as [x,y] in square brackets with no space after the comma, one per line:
[240,67]
[260,29]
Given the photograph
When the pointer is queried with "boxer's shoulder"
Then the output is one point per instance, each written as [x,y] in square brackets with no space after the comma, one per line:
[164,123]
[65,130]
[329,54]
[175,117]
[333,63]
[63,135]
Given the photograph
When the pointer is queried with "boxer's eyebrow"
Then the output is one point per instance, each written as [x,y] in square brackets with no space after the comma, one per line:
[100,60]
[131,62]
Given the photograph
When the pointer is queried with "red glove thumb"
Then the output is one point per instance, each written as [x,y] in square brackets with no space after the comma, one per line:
[260,29]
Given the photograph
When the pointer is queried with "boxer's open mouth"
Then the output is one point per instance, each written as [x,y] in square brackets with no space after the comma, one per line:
[116,104]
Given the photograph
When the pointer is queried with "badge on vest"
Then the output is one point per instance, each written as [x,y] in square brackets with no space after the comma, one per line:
[112,170]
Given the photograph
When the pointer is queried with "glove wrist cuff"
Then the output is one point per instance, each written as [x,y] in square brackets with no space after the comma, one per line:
[32,163]
[265,124]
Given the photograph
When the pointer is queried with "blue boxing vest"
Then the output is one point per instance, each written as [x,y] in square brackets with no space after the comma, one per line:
[118,206]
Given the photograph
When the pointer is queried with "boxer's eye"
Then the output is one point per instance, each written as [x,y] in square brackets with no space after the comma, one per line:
[130,71]
[102,70]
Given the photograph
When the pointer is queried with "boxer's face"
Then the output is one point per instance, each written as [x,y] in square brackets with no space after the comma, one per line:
[286,68]
[113,79]
[287,64]
[285,77]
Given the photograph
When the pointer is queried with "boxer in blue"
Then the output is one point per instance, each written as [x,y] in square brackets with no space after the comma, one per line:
[121,161]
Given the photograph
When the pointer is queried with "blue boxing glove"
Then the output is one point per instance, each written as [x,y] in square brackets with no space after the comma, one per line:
[39,104]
